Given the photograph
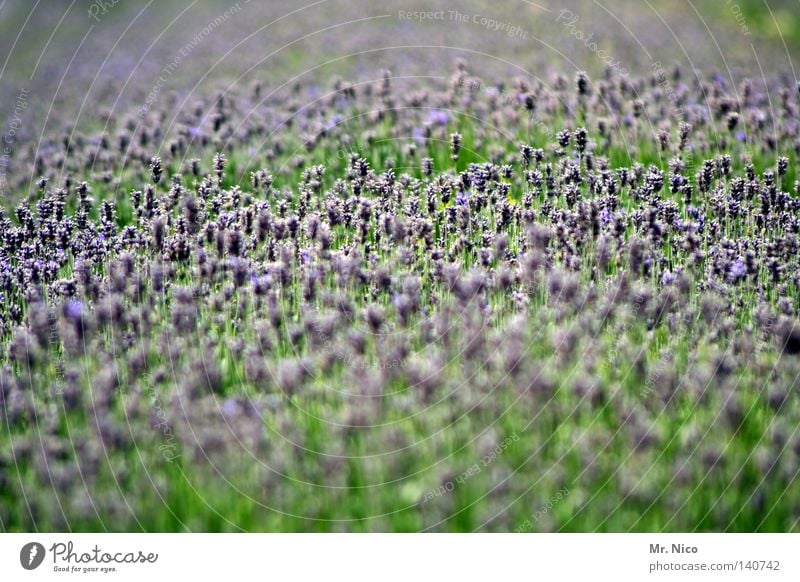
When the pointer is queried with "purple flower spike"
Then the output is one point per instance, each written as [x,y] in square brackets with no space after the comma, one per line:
[738,269]
[437,117]
[73,309]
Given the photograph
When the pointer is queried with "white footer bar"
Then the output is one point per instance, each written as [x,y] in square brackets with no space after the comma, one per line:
[401,557]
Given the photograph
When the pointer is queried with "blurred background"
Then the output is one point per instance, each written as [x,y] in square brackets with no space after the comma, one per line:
[85,58]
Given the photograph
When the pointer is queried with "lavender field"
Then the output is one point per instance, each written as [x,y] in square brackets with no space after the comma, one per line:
[349,266]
